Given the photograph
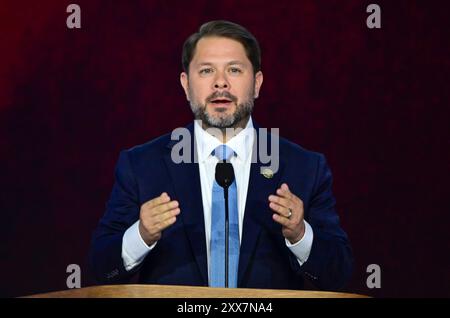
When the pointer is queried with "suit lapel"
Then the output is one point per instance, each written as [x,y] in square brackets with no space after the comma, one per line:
[186,181]
[257,214]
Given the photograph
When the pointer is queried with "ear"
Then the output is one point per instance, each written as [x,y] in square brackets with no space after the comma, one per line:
[185,83]
[258,83]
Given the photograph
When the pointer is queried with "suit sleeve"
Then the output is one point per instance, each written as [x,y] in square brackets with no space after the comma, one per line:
[122,211]
[330,262]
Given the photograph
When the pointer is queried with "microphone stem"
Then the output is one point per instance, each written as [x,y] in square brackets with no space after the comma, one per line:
[227,232]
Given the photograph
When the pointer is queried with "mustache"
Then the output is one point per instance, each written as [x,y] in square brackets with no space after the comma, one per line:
[216,95]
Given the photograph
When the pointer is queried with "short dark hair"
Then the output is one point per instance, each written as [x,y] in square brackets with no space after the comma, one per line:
[227,29]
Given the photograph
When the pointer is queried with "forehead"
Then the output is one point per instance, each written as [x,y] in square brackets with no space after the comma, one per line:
[219,49]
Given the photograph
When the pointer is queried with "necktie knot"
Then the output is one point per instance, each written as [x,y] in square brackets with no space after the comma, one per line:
[223,152]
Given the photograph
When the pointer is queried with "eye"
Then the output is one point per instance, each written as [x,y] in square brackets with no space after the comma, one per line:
[235,70]
[206,71]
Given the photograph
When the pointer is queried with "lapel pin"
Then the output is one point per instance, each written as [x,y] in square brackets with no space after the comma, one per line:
[266,172]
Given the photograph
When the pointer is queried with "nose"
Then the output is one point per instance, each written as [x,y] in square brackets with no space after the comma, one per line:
[220,85]
[221,82]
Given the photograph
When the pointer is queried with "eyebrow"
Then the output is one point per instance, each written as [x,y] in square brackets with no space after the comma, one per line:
[235,62]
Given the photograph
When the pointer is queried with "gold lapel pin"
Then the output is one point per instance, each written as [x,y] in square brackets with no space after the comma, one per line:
[266,172]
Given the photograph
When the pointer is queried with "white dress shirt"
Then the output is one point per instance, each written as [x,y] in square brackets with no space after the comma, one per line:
[134,249]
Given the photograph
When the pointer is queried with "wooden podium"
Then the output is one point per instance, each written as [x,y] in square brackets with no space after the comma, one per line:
[166,291]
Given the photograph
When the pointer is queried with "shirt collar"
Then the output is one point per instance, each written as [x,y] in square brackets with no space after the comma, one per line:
[241,144]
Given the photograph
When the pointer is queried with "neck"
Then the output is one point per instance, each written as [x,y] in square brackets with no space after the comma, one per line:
[225,134]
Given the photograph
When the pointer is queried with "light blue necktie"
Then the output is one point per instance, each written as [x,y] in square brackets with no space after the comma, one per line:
[217,246]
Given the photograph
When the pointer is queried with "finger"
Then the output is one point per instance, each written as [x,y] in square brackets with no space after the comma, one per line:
[283,211]
[163,198]
[284,192]
[160,218]
[165,224]
[281,201]
[162,208]
[283,221]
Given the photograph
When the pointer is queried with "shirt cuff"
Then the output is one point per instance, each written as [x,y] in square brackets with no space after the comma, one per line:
[302,248]
[134,249]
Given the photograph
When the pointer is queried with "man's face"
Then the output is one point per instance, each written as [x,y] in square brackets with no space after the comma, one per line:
[221,86]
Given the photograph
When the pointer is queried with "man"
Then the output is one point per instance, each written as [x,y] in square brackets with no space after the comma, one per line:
[166,220]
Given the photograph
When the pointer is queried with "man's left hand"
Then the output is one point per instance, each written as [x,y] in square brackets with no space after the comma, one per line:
[289,213]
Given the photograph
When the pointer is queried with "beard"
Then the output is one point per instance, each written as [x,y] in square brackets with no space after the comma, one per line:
[221,119]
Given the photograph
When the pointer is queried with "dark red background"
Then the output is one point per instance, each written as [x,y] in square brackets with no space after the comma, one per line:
[375,102]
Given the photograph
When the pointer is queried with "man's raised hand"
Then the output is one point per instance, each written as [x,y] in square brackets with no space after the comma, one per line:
[155,216]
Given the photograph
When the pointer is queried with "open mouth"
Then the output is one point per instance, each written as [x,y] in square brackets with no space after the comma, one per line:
[221,102]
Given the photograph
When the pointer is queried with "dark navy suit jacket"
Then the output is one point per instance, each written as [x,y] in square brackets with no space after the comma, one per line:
[179,258]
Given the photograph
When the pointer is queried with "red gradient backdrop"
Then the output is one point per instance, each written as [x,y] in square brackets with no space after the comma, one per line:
[375,102]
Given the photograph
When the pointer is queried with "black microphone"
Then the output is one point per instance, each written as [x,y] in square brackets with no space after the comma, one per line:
[224,178]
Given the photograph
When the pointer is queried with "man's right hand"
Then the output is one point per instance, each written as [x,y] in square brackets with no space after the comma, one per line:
[155,216]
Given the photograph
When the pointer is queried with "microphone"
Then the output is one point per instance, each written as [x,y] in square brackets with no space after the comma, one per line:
[224,174]
[224,178]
